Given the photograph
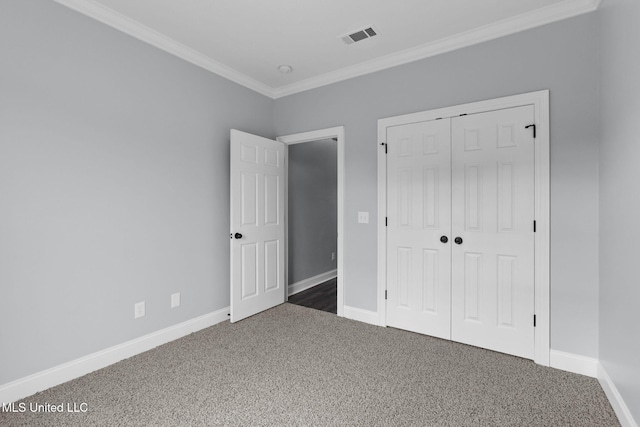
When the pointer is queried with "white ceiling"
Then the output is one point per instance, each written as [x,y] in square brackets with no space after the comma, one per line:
[246,40]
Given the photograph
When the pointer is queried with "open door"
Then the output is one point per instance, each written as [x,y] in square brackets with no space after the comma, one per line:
[257,224]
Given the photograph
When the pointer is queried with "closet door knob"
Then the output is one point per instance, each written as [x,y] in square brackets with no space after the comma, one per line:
[238,236]
[458,240]
[444,239]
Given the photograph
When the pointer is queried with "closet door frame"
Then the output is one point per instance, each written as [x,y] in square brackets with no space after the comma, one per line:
[540,102]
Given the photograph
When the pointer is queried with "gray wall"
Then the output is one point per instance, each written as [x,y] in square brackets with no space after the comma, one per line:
[620,197]
[313,208]
[114,185]
[114,180]
[561,57]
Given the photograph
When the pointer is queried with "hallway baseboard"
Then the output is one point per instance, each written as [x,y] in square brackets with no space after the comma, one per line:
[310,282]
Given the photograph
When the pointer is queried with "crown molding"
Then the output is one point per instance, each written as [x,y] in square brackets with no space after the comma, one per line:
[534,18]
[140,31]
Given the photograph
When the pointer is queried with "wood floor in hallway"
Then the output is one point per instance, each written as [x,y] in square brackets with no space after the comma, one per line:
[322,297]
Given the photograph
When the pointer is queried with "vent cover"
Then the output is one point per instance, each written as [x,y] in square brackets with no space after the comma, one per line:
[365,33]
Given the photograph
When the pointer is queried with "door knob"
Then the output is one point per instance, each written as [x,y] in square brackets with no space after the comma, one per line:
[458,240]
[238,236]
[444,239]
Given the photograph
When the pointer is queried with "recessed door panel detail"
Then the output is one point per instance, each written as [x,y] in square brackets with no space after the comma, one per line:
[431,198]
[249,183]
[249,272]
[249,154]
[271,157]
[405,147]
[472,280]
[405,197]
[506,135]
[430,144]
[506,289]
[404,276]
[271,260]
[473,197]
[472,140]
[272,199]
[430,275]
[506,198]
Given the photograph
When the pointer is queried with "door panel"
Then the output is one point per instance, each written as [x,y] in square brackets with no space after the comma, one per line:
[492,281]
[419,213]
[257,213]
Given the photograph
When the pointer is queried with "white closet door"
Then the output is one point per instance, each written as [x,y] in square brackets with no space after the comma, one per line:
[493,213]
[257,224]
[419,214]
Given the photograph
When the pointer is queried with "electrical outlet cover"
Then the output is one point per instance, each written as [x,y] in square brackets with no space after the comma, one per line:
[175,300]
[138,310]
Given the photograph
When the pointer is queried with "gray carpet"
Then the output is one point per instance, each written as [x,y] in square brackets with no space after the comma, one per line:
[294,366]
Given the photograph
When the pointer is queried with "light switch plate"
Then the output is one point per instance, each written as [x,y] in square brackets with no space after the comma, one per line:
[363,217]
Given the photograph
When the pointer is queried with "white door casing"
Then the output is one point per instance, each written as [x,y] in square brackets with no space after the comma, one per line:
[315,135]
[419,216]
[539,105]
[257,175]
[492,279]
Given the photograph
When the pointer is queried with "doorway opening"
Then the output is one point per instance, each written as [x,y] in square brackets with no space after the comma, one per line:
[314,207]
[312,218]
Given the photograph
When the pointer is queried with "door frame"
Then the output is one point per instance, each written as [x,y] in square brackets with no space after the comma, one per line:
[540,102]
[299,138]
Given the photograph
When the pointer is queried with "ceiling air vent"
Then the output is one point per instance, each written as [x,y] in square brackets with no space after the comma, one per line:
[365,33]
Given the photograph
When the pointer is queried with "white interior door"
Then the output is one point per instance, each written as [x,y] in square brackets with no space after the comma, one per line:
[419,216]
[469,179]
[257,224]
[493,213]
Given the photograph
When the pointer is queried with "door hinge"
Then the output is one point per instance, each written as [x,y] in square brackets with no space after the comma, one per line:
[385,147]
[386,221]
[534,225]
[534,320]
[385,294]
[534,129]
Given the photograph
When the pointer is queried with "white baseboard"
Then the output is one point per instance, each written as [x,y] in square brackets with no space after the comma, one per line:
[361,315]
[305,284]
[23,387]
[575,363]
[619,406]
